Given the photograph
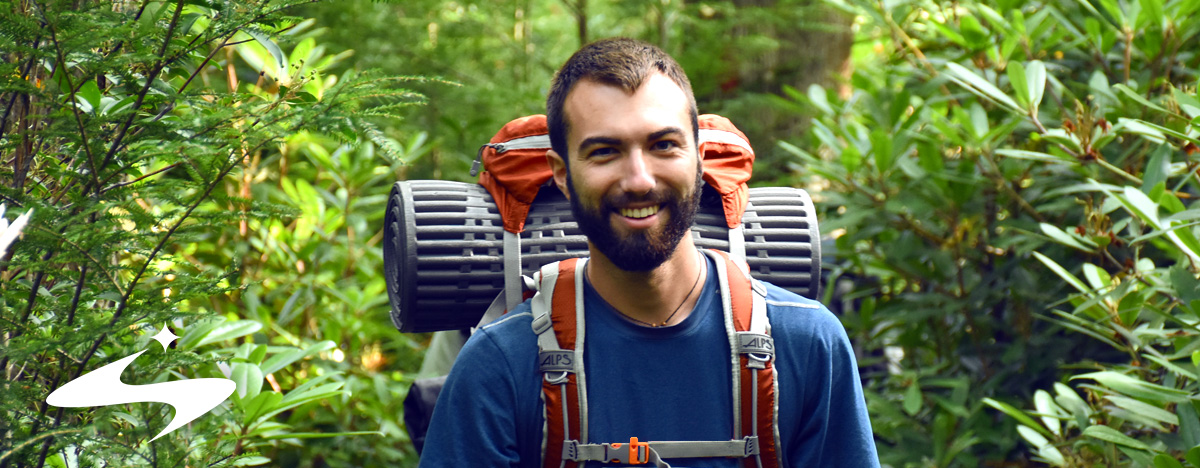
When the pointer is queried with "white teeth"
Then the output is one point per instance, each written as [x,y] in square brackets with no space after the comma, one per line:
[639,212]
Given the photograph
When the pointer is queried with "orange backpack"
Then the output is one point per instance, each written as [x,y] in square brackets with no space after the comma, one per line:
[516,169]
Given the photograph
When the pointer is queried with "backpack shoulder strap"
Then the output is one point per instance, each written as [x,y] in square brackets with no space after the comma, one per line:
[557,320]
[752,352]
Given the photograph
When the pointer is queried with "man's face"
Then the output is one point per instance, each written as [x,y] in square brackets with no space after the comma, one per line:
[634,177]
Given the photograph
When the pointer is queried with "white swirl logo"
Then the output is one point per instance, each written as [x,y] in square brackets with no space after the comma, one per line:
[190,398]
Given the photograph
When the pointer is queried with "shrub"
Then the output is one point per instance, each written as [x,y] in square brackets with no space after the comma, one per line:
[990,152]
[127,125]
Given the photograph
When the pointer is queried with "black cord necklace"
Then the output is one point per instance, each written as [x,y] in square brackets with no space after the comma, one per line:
[699,271]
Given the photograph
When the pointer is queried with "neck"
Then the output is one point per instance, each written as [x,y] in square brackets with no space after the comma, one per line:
[651,297]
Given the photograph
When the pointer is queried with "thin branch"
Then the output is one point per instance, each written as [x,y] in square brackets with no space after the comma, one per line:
[141,97]
[66,74]
[139,179]
[24,77]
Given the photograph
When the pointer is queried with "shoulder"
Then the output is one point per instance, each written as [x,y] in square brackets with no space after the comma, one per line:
[511,334]
[795,315]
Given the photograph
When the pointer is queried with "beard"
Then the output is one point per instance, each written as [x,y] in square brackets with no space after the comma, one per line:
[643,250]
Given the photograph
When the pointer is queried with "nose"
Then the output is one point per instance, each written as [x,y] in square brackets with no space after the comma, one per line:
[637,177]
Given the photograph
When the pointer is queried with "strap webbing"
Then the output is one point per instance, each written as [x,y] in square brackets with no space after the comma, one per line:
[737,243]
[512,270]
[737,448]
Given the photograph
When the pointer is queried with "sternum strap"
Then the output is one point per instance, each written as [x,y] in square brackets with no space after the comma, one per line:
[736,448]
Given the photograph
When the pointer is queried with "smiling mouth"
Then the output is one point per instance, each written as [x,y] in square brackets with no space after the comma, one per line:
[639,213]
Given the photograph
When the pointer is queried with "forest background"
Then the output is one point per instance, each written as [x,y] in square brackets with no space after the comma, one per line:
[1009,188]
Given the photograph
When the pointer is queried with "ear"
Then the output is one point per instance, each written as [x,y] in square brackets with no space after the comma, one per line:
[559,168]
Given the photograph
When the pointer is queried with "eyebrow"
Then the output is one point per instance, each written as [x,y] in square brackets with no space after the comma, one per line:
[599,140]
[666,131]
[602,140]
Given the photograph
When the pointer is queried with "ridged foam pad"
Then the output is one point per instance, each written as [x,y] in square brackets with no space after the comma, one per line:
[443,246]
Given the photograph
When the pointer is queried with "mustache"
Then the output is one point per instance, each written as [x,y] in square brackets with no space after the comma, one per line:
[625,198]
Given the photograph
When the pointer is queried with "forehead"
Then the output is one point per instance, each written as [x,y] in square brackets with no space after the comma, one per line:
[595,109]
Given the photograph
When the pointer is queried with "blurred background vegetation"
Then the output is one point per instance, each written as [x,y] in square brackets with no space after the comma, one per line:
[1008,189]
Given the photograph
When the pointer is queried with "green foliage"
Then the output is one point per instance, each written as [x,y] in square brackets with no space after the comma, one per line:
[131,129]
[1009,185]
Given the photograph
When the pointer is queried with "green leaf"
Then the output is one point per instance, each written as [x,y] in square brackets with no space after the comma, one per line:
[1062,237]
[89,96]
[912,399]
[198,331]
[1188,103]
[1061,272]
[980,86]
[285,358]
[1133,94]
[1111,435]
[1052,455]
[1193,456]
[1173,367]
[1045,405]
[851,158]
[1158,169]
[1135,387]
[816,95]
[256,356]
[1152,12]
[1019,82]
[1032,436]
[1115,13]
[251,461]
[249,379]
[230,330]
[259,405]
[276,52]
[1035,75]
[1070,401]
[1142,206]
[1096,276]
[881,146]
[976,36]
[1163,460]
[1017,414]
[1036,156]
[1189,425]
[1144,409]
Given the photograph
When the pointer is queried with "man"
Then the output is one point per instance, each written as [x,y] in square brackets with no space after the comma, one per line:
[623,128]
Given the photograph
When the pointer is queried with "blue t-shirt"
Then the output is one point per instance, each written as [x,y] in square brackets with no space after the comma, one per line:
[656,384]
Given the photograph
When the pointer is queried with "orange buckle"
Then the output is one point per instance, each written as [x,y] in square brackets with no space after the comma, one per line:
[639,452]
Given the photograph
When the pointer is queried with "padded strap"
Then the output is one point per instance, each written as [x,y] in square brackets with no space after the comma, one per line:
[557,311]
[752,349]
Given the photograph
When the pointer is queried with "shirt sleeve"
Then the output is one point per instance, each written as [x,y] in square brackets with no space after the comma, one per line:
[474,421]
[831,425]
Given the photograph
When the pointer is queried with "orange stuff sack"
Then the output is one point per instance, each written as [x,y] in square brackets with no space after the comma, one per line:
[515,167]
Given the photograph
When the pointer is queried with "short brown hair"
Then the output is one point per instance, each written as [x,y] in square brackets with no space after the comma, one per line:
[620,62]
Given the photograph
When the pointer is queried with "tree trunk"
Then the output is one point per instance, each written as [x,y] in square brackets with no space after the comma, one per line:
[767,45]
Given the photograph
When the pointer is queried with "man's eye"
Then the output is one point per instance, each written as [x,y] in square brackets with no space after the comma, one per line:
[664,145]
[600,152]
